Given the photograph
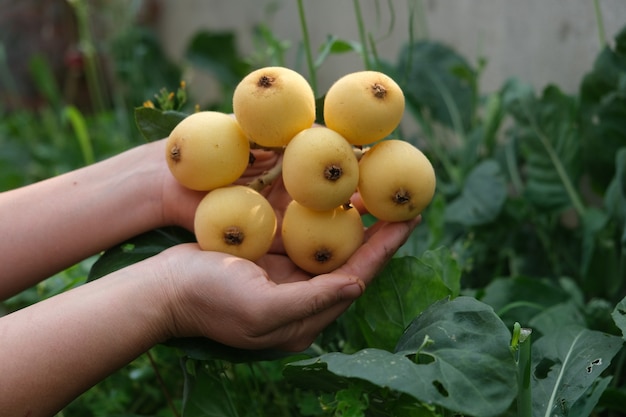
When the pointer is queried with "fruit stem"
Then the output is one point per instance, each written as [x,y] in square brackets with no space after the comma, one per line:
[88,48]
[276,149]
[362,36]
[307,48]
[521,348]
[267,178]
[600,23]
[359,152]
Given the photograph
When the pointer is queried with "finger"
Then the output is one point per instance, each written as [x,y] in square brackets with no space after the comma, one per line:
[382,240]
[303,307]
[278,196]
[263,161]
[281,269]
[301,310]
[357,202]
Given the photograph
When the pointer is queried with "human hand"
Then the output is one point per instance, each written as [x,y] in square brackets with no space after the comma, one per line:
[271,303]
[179,203]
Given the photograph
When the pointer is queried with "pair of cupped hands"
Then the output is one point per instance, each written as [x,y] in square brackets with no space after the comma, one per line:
[270,303]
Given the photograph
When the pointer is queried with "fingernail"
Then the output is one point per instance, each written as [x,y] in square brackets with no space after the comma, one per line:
[354,290]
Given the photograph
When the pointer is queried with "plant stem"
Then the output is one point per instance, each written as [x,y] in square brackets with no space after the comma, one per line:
[88,49]
[524,397]
[362,35]
[521,345]
[307,47]
[267,178]
[166,393]
[422,18]
[600,22]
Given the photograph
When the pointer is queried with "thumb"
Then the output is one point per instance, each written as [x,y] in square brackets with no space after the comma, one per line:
[296,301]
[301,310]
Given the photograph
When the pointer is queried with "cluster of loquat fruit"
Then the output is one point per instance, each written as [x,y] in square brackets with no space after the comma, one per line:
[321,166]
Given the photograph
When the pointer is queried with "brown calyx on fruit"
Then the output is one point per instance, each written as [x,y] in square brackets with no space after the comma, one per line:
[266,81]
[175,153]
[333,172]
[322,255]
[401,197]
[233,236]
[379,91]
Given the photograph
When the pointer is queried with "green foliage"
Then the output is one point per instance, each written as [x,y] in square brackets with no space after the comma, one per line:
[482,198]
[409,286]
[528,228]
[141,66]
[156,124]
[603,109]
[454,355]
[137,249]
[439,84]
[497,230]
[567,362]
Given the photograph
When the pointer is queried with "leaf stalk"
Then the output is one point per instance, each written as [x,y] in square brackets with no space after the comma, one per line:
[307,47]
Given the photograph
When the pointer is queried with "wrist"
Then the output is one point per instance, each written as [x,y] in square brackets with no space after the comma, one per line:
[145,284]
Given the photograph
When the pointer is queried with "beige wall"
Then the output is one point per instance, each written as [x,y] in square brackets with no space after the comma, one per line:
[539,41]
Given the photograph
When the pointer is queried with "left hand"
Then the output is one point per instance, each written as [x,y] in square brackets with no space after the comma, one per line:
[271,303]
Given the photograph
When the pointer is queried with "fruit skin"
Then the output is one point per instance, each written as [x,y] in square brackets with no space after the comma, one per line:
[331,236]
[364,106]
[320,169]
[236,220]
[396,180]
[273,104]
[207,150]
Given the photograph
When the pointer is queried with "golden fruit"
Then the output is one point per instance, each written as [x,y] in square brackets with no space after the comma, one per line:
[207,150]
[364,106]
[273,104]
[320,170]
[321,241]
[396,180]
[236,220]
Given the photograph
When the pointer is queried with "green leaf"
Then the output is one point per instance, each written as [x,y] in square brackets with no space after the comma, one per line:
[203,349]
[76,119]
[559,315]
[546,130]
[586,404]
[45,80]
[437,80]
[465,365]
[137,249]
[268,48]
[334,45]
[482,197]
[615,197]
[403,289]
[593,222]
[140,64]
[208,395]
[619,316]
[566,363]
[523,299]
[603,110]
[600,261]
[350,402]
[156,124]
